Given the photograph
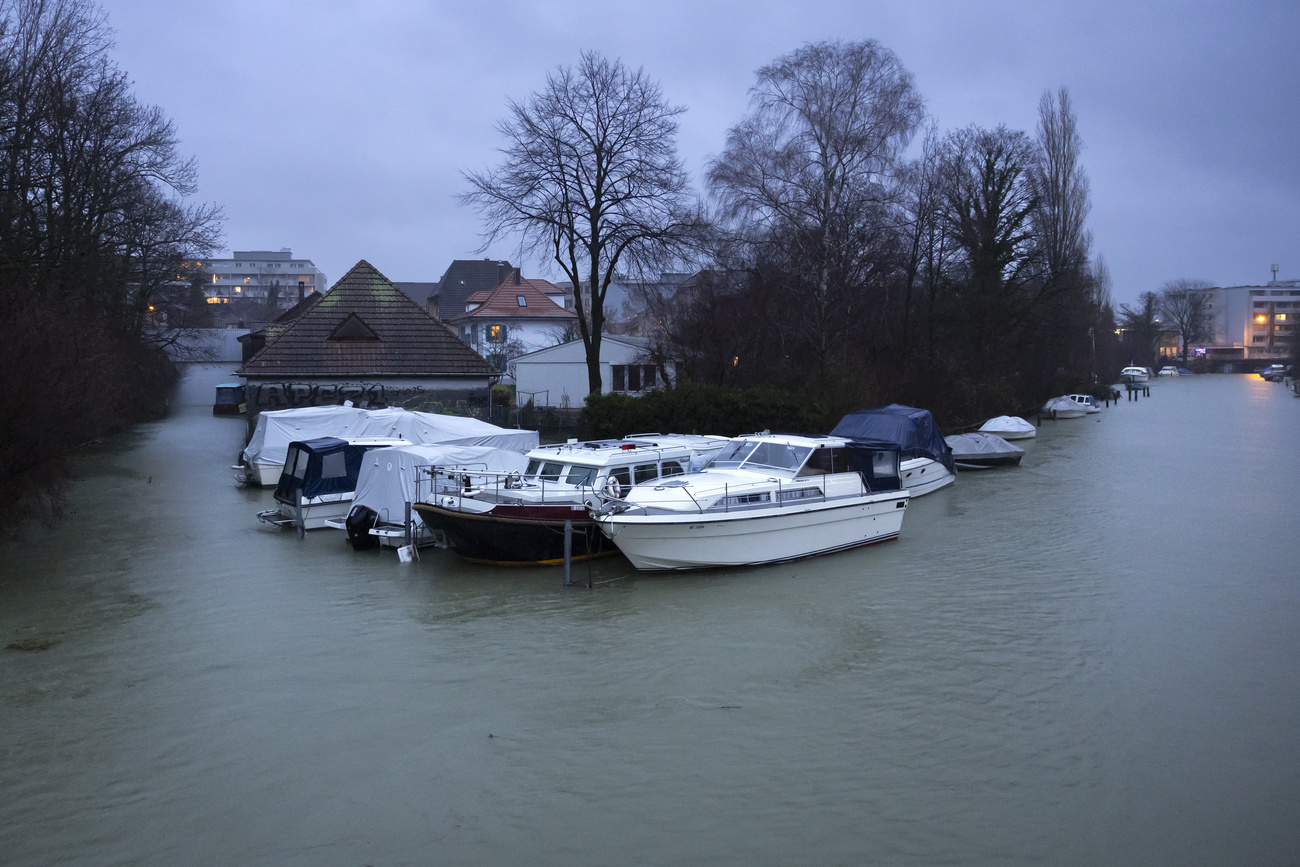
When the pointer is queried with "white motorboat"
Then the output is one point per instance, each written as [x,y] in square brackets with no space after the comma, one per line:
[1087,401]
[926,463]
[1009,427]
[521,518]
[319,480]
[980,451]
[1167,370]
[1063,407]
[763,499]
[1134,374]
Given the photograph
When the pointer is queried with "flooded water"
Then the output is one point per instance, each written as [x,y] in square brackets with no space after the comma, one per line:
[1091,659]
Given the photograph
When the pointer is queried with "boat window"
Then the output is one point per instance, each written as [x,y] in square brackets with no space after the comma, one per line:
[579,476]
[299,458]
[551,471]
[777,456]
[828,460]
[333,465]
[533,466]
[623,475]
[646,472]
[672,468]
[732,454]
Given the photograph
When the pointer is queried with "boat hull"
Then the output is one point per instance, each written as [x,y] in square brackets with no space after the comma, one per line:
[675,542]
[988,463]
[924,475]
[517,535]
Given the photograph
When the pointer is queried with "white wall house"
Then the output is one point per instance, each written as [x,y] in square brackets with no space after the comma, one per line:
[515,317]
[257,275]
[557,376]
[1251,322]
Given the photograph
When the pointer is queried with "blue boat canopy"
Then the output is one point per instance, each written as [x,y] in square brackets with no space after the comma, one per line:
[326,465]
[910,430]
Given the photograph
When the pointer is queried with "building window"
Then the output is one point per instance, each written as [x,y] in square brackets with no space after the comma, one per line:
[523,302]
[633,377]
[496,334]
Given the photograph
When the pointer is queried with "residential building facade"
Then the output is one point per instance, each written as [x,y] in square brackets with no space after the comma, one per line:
[514,317]
[266,277]
[1251,322]
[557,375]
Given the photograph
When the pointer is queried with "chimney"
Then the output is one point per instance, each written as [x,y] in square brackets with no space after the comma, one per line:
[518,277]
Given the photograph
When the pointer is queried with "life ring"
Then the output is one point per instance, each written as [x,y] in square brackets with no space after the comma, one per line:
[613,488]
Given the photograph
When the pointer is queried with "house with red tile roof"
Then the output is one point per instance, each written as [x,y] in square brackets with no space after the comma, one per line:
[516,316]
[365,341]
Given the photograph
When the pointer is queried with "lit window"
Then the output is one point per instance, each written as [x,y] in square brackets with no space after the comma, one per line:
[496,333]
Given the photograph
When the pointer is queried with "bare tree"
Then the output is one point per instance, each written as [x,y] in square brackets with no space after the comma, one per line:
[1140,327]
[591,177]
[989,203]
[808,172]
[1061,187]
[1184,304]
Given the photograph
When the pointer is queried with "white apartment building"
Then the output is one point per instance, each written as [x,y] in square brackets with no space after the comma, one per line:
[260,275]
[1253,322]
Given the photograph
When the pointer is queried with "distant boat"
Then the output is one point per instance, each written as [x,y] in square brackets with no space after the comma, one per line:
[230,399]
[980,451]
[1009,427]
[1182,371]
[1063,407]
[1087,401]
[1168,370]
[1134,375]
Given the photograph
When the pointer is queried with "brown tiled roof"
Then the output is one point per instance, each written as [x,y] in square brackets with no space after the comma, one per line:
[365,326]
[503,301]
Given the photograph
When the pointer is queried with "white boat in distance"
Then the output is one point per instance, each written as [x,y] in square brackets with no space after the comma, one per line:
[1134,374]
[1063,407]
[1009,427]
[764,498]
[1087,401]
[981,451]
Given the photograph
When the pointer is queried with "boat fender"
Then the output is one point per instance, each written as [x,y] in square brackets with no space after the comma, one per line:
[613,488]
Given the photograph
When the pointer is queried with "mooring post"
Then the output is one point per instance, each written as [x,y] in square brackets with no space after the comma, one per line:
[568,551]
[410,531]
[302,528]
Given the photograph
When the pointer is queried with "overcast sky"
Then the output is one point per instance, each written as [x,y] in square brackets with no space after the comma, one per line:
[341,129]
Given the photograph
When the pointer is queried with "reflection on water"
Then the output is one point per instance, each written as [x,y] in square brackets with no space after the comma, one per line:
[1090,659]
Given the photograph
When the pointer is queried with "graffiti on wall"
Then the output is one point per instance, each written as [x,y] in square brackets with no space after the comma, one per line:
[286,395]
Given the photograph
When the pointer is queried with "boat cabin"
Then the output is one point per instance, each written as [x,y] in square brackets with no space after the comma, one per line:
[627,462]
[230,400]
[325,467]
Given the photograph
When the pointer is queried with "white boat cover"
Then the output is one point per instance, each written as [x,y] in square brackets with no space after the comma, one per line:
[981,445]
[277,428]
[1014,425]
[387,480]
[1063,405]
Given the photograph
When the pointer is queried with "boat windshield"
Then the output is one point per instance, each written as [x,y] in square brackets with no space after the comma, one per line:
[777,456]
[732,454]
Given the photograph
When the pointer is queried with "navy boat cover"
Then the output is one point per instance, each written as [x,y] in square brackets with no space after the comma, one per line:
[910,430]
[325,465]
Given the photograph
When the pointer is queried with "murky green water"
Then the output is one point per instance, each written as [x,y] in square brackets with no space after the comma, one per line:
[1093,659]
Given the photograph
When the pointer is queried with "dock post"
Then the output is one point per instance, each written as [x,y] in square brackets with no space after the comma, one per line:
[302,528]
[568,552]
[410,531]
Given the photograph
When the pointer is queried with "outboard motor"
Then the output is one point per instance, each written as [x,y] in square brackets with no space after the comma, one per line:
[359,523]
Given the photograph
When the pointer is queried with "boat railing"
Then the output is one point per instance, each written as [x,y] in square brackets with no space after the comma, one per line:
[433,481]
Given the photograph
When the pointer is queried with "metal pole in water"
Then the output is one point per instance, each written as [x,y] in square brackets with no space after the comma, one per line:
[568,551]
[302,529]
[410,532]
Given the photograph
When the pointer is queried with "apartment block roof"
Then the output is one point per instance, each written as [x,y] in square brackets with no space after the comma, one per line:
[365,326]
[463,278]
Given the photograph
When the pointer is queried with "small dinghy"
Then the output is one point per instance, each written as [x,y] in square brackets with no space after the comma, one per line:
[980,451]
[1009,427]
